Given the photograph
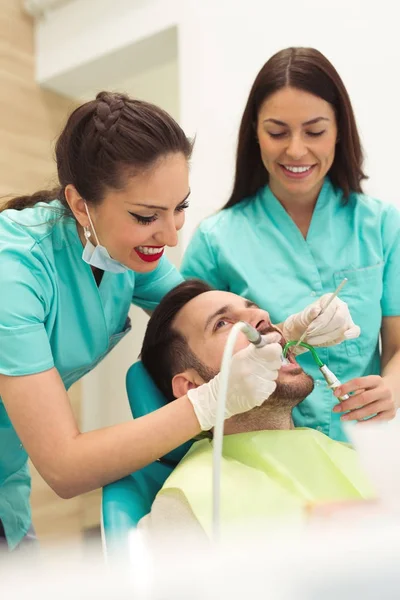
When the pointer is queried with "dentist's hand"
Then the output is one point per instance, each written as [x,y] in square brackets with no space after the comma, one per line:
[331,327]
[252,379]
[371,398]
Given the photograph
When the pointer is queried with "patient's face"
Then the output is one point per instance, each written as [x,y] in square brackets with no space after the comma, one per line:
[206,322]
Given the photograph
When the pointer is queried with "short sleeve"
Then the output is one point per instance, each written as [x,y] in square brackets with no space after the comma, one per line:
[24,343]
[391,275]
[200,261]
[151,287]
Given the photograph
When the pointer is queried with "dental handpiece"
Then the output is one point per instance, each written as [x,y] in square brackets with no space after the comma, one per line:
[253,335]
[332,381]
[257,339]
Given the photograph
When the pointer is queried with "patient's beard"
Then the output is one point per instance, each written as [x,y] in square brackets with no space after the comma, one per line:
[206,373]
[291,387]
[289,393]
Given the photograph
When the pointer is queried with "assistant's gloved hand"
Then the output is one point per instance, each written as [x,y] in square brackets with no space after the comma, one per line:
[252,380]
[331,327]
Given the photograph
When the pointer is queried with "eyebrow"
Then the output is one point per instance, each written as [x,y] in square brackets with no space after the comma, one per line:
[283,124]
[157,206]
[225,309]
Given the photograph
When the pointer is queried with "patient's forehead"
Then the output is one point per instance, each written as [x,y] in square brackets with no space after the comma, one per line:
[192,318]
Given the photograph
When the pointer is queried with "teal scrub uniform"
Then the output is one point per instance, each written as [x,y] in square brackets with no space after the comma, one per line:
[52,314]
[254,249]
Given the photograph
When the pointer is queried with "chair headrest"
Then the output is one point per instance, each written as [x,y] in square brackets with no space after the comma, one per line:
[144,398]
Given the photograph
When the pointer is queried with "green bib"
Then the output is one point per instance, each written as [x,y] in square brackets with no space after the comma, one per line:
[267,475]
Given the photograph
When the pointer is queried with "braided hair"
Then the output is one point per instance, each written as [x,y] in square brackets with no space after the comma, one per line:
[103,141]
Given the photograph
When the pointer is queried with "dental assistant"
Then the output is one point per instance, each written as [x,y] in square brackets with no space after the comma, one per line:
[72,260]
[297,223]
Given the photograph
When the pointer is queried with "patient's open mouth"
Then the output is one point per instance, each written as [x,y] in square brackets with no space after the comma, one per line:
[290,356]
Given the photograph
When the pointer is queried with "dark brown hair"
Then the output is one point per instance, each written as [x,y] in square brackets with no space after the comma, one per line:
[305,69]
[165,352]
[103,141]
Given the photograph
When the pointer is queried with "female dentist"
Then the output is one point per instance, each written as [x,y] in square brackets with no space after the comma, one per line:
[297,223]
[71,262]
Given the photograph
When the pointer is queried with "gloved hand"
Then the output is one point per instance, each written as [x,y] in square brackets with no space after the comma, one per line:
[331,327]
[252,380]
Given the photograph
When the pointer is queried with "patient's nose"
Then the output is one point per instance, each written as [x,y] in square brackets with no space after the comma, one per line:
[261,325]
[257,318]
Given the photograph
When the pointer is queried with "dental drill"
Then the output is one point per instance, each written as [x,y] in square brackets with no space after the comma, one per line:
[257,339]
[252,335]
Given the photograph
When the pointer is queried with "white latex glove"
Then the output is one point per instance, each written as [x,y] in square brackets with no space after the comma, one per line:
[331,327]
[252,380]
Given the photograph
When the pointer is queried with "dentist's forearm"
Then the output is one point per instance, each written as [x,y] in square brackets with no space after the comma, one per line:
[72,462]
[99,457]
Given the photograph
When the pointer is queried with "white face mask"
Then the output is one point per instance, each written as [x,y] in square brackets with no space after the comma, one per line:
[98,256]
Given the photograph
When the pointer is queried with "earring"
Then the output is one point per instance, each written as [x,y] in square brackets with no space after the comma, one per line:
[86,232]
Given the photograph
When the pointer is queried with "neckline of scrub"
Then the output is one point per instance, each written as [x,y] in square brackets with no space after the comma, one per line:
[270,201]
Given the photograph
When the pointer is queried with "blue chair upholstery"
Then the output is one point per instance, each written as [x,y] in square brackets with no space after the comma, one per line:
[126,501]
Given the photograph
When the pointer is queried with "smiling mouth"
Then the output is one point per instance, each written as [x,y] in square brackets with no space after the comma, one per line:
[296,171]
[150,249]
[149,253]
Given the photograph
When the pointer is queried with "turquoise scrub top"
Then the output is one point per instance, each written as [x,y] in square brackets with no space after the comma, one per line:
[52,314]
[255,249]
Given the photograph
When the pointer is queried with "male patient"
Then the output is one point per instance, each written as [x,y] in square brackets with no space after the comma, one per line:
[269,468]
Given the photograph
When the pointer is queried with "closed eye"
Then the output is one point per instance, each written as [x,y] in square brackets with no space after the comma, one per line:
[277,135]
[143,220]
[147,220]
[182,206]
[283,133]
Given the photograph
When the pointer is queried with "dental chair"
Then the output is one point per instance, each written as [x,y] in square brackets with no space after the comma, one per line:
[126,501]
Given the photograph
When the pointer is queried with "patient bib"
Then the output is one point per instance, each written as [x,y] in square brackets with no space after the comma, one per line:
[269,475]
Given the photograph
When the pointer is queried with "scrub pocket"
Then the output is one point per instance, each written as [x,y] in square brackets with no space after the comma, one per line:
[363,294]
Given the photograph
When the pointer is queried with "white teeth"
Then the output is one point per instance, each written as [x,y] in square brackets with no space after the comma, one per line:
[297,169]
[146,250]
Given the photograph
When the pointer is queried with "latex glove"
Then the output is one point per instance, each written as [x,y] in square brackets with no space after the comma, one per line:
[252,379]
[331,327]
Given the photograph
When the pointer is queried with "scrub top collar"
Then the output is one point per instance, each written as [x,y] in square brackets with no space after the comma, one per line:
[277,212]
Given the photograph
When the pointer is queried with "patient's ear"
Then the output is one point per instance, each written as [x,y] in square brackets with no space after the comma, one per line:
[183,382]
